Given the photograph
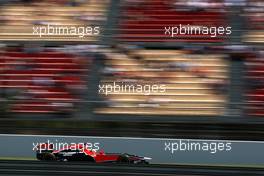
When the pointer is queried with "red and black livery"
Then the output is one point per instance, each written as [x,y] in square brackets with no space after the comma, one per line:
[79,152]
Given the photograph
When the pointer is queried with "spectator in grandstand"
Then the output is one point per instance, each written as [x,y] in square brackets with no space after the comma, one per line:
[33,48]
[220,86]
[235,2]
[44,81]
[181,66]
[2,46]
[197,5]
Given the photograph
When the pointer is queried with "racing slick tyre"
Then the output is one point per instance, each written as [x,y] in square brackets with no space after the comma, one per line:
[89,159]
[123,159]
[49,157]
[39,156]
[143,163]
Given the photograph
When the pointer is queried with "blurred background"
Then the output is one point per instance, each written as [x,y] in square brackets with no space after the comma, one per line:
[214,86]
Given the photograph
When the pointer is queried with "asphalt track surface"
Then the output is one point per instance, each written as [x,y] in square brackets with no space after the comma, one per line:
[8,167]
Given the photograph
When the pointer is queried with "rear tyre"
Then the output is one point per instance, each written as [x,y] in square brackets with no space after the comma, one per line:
[49,157]
[89,159]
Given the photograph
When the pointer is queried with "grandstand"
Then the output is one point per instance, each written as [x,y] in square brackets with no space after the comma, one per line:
[18,19]
[50,76]
[145,21]
[254,16]
[179,98]
[42,81]
[191,82]
[255,93]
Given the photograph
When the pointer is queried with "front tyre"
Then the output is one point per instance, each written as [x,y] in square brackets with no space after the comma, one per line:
[123,159]
[89,159]
[143,162]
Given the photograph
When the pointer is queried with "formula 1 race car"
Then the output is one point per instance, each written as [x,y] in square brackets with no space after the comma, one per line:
[79,152]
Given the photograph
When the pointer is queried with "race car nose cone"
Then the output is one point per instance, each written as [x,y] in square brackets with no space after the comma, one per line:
[147,158]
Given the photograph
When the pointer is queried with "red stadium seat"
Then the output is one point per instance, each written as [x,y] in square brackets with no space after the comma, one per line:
[42,79]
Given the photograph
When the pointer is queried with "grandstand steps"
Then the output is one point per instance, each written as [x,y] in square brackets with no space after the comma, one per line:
[157,111]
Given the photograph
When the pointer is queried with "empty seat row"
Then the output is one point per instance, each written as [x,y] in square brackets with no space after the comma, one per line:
[18,19]
[193,84]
